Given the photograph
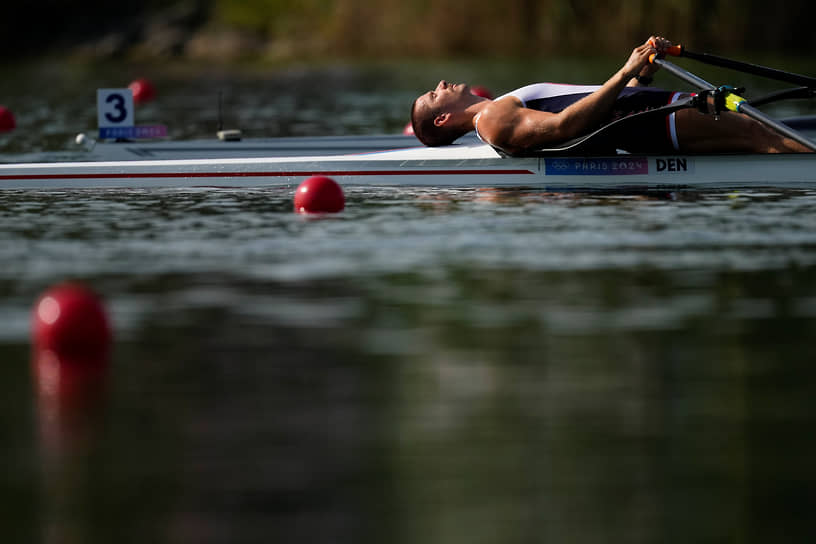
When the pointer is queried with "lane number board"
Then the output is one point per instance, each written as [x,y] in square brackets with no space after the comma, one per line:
[114,108]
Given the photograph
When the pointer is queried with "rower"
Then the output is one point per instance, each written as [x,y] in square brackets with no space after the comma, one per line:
[546,115]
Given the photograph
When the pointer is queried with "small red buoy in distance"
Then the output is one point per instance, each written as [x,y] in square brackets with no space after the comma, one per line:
[70,320]
[479,90]
[319,194]
[7,122]
[408,130]
[143,90]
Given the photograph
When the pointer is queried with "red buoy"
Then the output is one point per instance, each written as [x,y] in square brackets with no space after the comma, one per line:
[7,122]
[479,90]
[408,130]
[70,320]
[143,90]
[319,194]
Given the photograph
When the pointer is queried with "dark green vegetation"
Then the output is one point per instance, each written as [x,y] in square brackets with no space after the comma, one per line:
[280,29]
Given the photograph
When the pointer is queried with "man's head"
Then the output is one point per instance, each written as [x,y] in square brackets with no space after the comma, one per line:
[439,116]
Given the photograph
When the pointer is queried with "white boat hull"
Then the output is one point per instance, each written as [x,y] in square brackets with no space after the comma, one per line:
[468,164]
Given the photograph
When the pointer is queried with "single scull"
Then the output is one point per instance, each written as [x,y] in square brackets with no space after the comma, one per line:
[400,160]
[465,164]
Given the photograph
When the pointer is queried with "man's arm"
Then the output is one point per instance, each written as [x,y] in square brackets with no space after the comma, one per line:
[514,129]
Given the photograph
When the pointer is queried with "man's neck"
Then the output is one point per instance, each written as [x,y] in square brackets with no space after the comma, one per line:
[473,110]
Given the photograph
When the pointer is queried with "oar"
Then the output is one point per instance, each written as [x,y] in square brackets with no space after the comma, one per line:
[784,94]
[734,102]
[756,69]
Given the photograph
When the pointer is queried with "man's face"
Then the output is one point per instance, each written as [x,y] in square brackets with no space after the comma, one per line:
[446,97]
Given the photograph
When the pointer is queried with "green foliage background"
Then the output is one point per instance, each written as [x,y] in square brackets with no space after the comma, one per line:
[429,27]
[520,26]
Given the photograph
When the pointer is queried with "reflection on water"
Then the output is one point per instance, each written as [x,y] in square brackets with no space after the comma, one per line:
[430,365]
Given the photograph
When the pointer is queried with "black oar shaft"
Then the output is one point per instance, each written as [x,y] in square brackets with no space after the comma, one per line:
[756,69]
[743,107]
[796,92]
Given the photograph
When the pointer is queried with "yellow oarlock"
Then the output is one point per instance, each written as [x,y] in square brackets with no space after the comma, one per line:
[733,102]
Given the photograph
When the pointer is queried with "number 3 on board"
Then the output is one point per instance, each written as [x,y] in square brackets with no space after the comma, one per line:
[114,108]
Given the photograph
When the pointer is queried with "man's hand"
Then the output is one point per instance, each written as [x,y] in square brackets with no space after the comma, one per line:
[660,44]
[638,59]
[641,67]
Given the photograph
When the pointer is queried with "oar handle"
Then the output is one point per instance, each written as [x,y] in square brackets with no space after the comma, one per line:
[674,50]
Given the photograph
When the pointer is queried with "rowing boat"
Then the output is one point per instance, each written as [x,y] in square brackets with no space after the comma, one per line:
[400,160]
[468,163]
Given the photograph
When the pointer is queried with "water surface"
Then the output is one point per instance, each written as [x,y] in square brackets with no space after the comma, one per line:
[430,365]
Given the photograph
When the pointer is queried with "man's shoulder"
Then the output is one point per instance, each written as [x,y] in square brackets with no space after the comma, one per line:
[508,125]
[505,103]
[504,114]
[500,112]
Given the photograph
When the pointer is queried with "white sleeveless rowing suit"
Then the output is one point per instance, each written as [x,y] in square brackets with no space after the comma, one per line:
[554,97]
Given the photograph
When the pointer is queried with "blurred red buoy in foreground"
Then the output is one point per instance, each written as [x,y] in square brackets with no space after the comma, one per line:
[143,90]
[70,320]
[479,90]
[319,194]
[7,122]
